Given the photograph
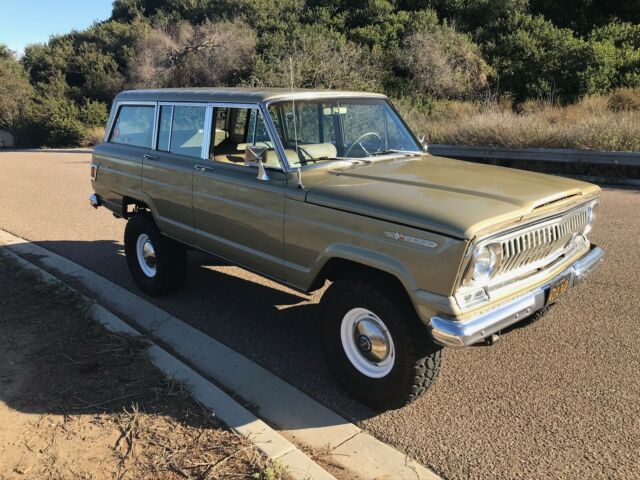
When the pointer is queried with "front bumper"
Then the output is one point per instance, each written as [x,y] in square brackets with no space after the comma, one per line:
[456,333]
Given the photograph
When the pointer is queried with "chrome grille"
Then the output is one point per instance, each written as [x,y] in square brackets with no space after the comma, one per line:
[540,245]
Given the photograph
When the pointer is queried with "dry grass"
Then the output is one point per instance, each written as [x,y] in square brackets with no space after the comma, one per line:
[596,122]
[93,137]
[101,410]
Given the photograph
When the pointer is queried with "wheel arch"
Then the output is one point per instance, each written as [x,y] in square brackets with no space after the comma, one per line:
[348,259]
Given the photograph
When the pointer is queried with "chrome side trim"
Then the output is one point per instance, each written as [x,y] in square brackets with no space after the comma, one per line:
[455,333]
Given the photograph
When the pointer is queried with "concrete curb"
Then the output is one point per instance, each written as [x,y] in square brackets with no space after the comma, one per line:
[295,415]
[235,416]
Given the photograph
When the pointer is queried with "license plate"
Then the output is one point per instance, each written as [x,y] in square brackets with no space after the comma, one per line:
[558,289]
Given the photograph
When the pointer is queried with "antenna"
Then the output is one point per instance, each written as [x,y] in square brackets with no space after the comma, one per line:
[295,121]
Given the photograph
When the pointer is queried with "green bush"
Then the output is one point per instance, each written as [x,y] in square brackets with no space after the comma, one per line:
[534,58]
[15,91]
[93,114]
[52,119]
[322,58]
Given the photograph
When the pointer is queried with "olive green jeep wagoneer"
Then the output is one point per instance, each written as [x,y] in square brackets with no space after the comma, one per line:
[305,186]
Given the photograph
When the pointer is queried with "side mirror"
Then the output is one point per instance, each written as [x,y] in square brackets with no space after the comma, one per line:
[255,154]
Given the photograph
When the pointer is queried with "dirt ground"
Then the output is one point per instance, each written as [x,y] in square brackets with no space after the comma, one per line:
[77,402]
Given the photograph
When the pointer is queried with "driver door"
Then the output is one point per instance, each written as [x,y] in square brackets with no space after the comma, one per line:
[238,216]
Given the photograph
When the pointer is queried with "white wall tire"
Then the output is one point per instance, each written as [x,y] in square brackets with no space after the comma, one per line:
[157,264]
[146,254]
[367,342]
[404,365]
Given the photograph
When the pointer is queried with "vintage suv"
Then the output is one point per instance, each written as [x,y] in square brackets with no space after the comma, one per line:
[309,186]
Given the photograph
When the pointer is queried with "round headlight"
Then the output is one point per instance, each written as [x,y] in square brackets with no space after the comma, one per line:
[486,260]
[592,211]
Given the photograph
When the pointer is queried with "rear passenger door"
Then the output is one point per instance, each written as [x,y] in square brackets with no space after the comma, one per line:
[168,171]
[238,216]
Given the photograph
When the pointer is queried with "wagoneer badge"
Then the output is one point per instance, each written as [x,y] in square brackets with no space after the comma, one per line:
[406,238]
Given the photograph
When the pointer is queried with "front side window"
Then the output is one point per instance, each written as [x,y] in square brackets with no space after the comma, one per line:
[236,128]
[336,128]
[187,130]
[134,125]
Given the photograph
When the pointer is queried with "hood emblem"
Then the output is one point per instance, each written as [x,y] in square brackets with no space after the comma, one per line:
[409,239]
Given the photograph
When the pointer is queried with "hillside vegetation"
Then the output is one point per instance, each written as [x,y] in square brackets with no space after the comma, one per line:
[504,72]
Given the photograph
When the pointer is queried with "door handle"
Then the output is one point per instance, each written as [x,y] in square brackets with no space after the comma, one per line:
[203,168]
[148,156]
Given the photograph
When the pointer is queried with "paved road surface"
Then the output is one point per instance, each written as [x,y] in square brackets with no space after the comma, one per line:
[558,399]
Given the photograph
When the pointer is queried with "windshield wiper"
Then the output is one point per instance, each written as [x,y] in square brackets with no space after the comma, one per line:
[391,150]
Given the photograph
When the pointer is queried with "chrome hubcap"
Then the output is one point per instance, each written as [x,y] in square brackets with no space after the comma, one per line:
[146,255]
[367,342]
[371,340]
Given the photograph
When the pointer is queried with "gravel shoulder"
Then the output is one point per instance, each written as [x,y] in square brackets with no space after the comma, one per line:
[78,402]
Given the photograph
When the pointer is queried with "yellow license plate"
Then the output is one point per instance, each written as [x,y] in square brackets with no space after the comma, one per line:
[558,289]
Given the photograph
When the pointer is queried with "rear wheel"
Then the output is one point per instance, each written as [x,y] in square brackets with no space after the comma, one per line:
[375,344]
[157,264]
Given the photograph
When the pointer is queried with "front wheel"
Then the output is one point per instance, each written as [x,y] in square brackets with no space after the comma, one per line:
[157,264]
[375,344]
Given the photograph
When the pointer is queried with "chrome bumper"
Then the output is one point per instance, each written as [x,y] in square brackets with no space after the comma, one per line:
[455,333]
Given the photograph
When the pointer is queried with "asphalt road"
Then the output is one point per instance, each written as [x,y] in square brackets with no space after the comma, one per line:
[557,399]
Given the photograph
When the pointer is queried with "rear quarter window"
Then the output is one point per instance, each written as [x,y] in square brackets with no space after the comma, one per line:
[134,125]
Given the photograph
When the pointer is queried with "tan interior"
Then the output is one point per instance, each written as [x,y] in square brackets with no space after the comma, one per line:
[219,136]
[316,151]
[227,151]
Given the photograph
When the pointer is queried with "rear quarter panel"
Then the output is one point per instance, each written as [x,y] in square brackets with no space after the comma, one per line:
[119,173]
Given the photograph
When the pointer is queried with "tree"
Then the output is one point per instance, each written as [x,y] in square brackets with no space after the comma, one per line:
[321,59]
[583,15]
[443,62]
[535,59]
[619,45]
[185,55]
[471,15]
[15,91]
[52,119]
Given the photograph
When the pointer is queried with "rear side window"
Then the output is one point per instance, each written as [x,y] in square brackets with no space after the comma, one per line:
[134,125]
[187,131]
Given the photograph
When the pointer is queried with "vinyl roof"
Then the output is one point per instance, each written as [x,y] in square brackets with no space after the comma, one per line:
[235,94]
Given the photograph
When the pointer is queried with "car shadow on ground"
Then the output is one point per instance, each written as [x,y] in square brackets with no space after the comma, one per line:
[272,325]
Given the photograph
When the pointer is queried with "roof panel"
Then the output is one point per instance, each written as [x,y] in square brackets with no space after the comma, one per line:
[235,94]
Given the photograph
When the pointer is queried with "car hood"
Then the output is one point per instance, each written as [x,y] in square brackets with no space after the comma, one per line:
[452,197]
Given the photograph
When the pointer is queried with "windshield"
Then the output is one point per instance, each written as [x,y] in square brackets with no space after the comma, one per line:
[329,129]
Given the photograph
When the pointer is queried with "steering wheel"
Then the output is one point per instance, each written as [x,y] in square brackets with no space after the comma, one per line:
[359,140]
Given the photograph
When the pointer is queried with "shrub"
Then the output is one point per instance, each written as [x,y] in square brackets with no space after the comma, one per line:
[52,119]
[445,63]
[15,91]
[93,114]
[535,59]
[322,58]
[185,55]
[622,44]
[624,99]
[93,137]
